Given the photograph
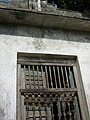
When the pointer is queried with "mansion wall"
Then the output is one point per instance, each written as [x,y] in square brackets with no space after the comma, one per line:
[15,38]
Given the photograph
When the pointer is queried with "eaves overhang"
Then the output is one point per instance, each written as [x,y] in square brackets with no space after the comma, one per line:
[64,20]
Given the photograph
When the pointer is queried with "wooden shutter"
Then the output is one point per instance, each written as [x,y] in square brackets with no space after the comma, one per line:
[49,90]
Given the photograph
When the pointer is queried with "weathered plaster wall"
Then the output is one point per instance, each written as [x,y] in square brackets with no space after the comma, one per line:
[15,39]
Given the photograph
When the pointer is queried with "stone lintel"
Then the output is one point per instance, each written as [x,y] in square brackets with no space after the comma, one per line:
[62,20]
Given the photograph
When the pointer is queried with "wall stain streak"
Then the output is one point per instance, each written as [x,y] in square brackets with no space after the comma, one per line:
[2,114]
[19,15]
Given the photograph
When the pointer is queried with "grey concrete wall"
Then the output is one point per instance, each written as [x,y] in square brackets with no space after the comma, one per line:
[15,39]
[22,4]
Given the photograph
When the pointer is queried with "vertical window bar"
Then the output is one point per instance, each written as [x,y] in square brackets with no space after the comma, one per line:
[33,105]
[27,108]
[59,76]
[28,3]
[74,109]
[40,115]
[25,75]
[38,76]
[71,78]
[75,114]
[42,77]
[29,76]
[70,114]
[63,76]
[59,110]
[46,109]
[50,76]
[52,111]
[63,109]
[55,77]
[34,77]
[66,77]
[47,82]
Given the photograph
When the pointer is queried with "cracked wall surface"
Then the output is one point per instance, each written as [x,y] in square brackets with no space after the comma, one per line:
[14,38]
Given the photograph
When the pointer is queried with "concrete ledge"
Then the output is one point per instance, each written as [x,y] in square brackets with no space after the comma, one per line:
[62,20]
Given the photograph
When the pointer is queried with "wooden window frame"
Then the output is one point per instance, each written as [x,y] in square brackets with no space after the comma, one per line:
[65,60]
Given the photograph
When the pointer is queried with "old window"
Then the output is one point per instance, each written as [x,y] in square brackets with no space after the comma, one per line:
[49,88]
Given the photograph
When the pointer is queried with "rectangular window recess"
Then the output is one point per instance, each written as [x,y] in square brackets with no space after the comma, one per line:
[49,88]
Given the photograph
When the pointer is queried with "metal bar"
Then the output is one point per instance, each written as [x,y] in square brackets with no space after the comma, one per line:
[34,77]
[66,77]
[40,115]
[50,76]
[69,77]
[25,75]
[73,77]
[55,77]
[74,109]
[47,116]
[38,76]
[42,76]
[63,109]
[63,76]
[47,82]
[70,114]
[28,4]
[29,76]
[59,77]
[52,111]
[33,111]
[59,110]
[75,102]
[27,114]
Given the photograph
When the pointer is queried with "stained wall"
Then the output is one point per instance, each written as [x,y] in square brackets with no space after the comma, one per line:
[14,38]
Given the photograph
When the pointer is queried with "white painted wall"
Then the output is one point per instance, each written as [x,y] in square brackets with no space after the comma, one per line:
[28,40]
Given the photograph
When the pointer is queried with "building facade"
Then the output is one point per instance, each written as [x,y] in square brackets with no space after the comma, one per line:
[33,29]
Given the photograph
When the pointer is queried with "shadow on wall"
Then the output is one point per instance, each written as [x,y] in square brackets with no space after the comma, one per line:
[47,33]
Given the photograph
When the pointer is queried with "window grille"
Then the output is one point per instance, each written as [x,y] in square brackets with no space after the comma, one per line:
[48,90]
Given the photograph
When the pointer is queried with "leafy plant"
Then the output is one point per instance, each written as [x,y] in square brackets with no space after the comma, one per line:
[77,5]
[69,4]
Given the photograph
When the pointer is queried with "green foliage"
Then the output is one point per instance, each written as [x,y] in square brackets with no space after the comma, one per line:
[68,4]
[77,5]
